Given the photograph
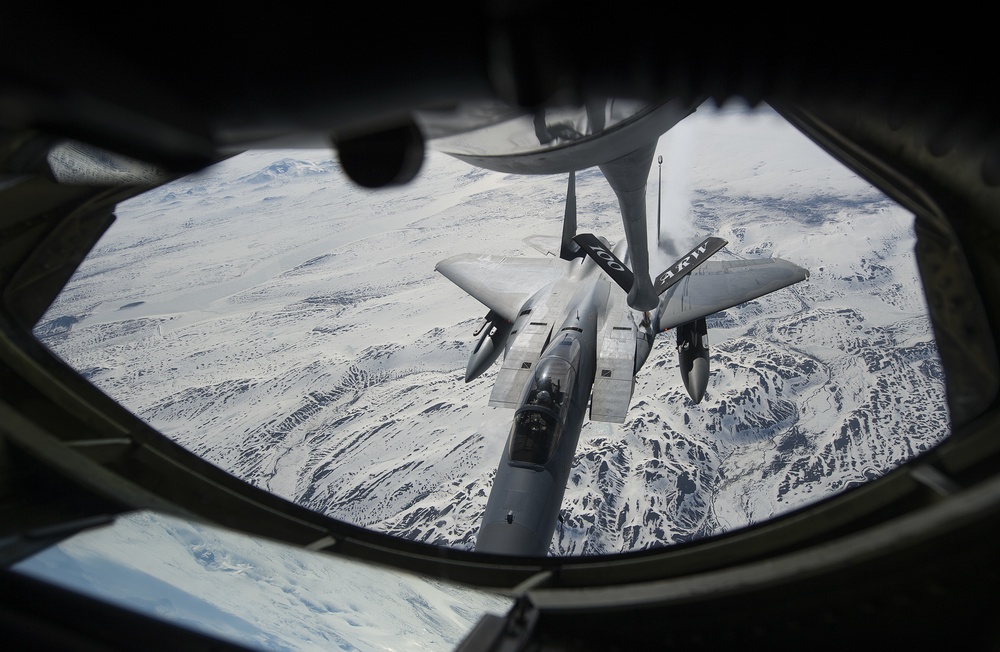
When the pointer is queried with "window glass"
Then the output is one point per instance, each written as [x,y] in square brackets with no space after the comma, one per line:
[290,328]
[257,593]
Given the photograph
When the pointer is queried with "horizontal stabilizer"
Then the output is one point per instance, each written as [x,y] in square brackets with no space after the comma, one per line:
[549,245]
[609,262]
[687,263]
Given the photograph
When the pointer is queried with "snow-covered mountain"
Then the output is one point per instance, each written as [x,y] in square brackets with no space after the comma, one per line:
[290,328]
[260,594]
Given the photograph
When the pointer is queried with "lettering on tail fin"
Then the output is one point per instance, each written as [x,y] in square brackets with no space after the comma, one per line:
[609,262]
[687,263]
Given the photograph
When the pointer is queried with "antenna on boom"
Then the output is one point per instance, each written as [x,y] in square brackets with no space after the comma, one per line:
[659,183]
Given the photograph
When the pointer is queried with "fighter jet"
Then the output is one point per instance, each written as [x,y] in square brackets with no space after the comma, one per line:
[571,341]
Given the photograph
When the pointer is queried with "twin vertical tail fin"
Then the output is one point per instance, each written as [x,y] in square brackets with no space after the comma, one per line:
[621,274]
[569,249]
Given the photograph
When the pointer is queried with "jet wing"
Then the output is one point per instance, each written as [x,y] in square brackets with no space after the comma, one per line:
[721,284]
[502,283]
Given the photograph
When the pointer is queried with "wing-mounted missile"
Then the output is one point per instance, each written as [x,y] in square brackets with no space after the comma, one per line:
[692,350]
[492,338]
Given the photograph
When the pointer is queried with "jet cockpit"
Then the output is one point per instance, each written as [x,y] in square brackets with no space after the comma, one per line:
[538,422]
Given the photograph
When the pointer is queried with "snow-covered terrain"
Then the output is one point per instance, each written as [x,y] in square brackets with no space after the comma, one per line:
[260,594]
[290,328]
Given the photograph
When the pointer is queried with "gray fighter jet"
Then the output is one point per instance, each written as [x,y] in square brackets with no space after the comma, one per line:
[571,340]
